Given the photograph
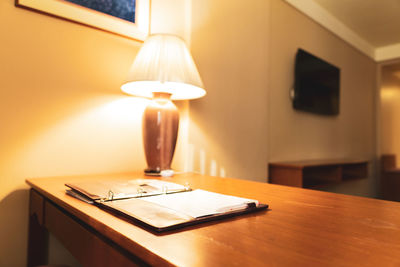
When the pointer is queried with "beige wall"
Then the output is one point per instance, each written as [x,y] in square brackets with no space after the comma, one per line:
[299,135]
[245,53]
[390,110]
[295,135]
[61,109]
[228,130]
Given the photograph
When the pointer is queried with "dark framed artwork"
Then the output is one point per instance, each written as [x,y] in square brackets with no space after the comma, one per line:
[128,18]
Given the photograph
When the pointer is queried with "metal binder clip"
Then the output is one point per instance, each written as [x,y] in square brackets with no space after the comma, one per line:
[110,195]
[165,189]
[140,191]
[187,186]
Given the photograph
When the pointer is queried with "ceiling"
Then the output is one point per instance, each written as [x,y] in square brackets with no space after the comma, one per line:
[376,21]
[371,26]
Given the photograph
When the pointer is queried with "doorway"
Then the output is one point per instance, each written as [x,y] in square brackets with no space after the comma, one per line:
[389,130]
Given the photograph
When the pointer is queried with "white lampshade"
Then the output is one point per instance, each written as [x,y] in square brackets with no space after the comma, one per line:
[164,64]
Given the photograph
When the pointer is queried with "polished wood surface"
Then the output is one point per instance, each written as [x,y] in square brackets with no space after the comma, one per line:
[302,227]
[312,173]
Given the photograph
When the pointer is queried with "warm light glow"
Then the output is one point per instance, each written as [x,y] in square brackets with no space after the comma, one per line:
[397,74]
[99,127]
[164,64]
[389,116]
[179,91]
[388,93]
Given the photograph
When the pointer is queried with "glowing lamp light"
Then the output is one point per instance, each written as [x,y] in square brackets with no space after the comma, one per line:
[163,70]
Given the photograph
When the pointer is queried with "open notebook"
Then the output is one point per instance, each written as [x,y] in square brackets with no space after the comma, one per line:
[161,205]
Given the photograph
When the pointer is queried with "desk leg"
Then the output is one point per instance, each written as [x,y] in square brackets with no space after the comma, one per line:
[38,236]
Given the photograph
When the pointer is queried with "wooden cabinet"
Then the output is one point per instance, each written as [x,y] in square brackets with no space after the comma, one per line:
[313,173]
[390,178]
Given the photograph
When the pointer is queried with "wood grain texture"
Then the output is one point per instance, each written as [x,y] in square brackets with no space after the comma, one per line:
[303,227]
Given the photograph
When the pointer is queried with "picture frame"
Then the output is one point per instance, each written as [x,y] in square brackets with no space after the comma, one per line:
[138,30]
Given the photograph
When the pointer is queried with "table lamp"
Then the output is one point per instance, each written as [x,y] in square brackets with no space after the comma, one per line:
[163,70]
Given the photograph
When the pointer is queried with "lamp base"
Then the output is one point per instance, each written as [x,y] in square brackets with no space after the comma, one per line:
[160,131]
[163,173]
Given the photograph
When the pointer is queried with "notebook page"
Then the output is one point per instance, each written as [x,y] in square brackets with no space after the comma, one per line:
[199,203]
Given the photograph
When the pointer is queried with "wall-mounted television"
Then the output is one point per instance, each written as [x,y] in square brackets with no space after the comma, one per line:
[316,86]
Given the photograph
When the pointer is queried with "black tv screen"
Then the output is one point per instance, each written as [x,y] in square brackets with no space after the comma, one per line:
[317,84]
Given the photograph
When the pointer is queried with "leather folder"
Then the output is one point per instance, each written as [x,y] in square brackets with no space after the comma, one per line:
[161,206]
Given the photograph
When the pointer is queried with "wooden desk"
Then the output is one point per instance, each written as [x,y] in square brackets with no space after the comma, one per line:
[313,173]
[303,227]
